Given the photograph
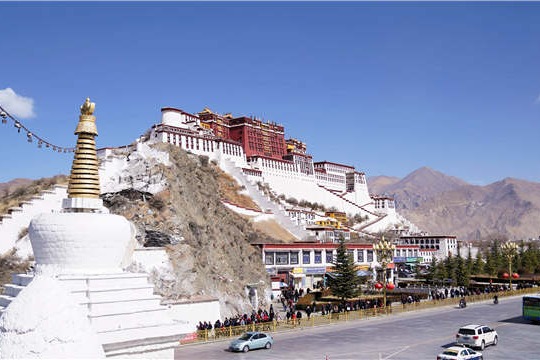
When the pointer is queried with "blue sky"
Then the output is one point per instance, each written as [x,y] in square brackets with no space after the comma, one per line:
[386,87]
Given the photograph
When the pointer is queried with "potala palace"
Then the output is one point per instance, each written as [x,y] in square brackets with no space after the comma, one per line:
[256,152]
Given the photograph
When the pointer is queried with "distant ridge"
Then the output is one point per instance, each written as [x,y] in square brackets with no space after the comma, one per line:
[443,204]
[419,185]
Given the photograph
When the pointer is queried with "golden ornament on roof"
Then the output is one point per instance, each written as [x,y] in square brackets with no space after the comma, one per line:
[88,107]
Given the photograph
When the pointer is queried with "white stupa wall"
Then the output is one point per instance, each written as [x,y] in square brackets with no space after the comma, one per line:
[45,322]
[80,242]
[191,312]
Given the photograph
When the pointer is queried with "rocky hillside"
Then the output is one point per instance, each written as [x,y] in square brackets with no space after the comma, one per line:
[442,204]
[209,245]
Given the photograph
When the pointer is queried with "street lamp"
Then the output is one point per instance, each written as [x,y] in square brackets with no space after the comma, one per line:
[384,251]
[509,250]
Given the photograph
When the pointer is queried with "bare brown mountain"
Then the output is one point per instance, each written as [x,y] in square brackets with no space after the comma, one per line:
[8,187]
[416,187]
[446,205]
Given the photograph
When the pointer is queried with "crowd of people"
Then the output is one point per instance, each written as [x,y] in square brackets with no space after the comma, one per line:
[289,298]
[457,292]
[259,316]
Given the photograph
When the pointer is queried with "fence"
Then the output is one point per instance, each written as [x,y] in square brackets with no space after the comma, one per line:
[332,318]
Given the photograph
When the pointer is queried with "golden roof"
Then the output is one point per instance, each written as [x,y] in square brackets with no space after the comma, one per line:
[206,110]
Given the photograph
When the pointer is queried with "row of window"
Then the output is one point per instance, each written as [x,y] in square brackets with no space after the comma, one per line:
[333,168]
[330,178]
[194,143]
[277,165]
[293,257]
[422,241]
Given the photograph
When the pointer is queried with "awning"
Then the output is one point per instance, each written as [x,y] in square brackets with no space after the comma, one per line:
[331,275]
[364,273]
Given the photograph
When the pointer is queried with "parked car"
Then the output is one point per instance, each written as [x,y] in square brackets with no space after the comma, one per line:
[459,353]
[478,336]
[252,340]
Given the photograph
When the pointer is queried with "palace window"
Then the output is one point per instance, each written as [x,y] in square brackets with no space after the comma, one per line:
[282,258]
[269,258]
[306,257]
[369,255]
[318,257]
[294,258]
[329,256]
[360,255]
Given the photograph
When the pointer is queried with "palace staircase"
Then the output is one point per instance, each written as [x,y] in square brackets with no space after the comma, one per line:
[18,218]
[280,214]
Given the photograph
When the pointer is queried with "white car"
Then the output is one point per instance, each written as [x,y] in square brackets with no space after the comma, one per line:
[478,336]
[459,353]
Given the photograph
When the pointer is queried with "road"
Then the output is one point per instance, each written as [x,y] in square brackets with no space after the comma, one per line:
[407,336]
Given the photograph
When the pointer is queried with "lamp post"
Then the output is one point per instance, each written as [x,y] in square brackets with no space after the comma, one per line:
[384,251]
[509,250]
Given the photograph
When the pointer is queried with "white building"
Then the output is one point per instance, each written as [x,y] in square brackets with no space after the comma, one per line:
[304,265]
[440,246]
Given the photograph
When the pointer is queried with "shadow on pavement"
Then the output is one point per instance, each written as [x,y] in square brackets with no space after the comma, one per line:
[518,320]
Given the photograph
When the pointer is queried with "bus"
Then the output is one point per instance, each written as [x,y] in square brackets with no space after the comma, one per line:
[531,307]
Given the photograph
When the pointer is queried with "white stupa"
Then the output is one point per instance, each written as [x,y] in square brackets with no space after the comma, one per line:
[80,243]
[84,238]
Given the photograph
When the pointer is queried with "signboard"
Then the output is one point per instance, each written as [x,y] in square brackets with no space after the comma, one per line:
[320,270]
[403,259]
[362,267]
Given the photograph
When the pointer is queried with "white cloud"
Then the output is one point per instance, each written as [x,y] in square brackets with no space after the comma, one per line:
[17,105]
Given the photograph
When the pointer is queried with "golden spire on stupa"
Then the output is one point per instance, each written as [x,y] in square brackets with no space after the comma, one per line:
[84,177]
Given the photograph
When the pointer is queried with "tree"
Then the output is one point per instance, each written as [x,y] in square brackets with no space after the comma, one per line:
[462,277]
[490,266]
[345,282]
[450,268]
[469,264]
[440,272]
[431,273]
[530,258]
[478,265]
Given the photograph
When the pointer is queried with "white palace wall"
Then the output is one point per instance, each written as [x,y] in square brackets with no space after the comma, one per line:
[302,187]
[202,145]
